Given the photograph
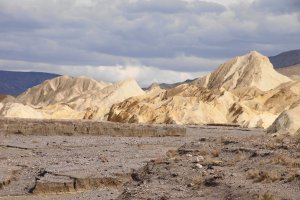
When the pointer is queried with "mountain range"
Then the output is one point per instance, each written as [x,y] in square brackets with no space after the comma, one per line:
[286,59]
[245,90]
[14,83]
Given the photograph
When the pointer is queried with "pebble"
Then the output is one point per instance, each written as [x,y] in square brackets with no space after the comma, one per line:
[199,166]
[199,158]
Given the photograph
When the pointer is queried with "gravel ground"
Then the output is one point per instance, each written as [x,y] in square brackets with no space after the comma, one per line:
[222,166]
[210,162]
[97,166]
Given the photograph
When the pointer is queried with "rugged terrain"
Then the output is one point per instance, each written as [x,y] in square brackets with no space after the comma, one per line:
[209,162]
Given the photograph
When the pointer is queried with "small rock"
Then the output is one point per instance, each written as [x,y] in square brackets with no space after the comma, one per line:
[210,182]
[190,185]
[199,166]
[199,158]
[136,177]
[210,166]
[189,155]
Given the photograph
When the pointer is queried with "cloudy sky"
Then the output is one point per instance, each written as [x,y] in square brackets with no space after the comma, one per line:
[149,40]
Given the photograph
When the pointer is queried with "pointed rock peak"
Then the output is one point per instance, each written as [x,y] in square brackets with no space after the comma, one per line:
[154,85]
[127,82]
[250,70]
[255,55]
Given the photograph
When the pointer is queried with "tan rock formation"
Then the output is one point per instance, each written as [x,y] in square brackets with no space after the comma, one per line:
[59,90]
[245,91]
[70,98]
[250,70]
[288,121]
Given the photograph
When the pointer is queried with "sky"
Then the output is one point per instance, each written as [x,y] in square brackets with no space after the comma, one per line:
[147,40]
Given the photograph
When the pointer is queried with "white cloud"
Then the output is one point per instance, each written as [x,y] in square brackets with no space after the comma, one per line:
[143,74]
[145,36]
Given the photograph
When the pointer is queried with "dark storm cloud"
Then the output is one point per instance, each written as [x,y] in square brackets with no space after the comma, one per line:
[18,23]
[277,6]
[173,7]
[186,36]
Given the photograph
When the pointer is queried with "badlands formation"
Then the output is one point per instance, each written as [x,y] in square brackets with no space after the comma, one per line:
[245,90]
[70,98]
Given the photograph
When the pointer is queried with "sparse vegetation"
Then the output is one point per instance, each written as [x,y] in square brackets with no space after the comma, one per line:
[260,176]
[286,160]
[293,175]
[216,152]
[241,155]
[197,181]
[172,154]
[266,196]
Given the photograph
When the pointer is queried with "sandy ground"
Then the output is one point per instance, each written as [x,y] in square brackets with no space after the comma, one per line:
[208,163]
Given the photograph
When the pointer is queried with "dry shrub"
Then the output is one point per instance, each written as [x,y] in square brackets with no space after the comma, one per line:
[102,158]
[210,161]
[266,196]
[293,175]
[227,140]
[197,181]
[253,173]
[203,152]
[260,176]
[286,161]
[172,154]
[216,152]
[241,155]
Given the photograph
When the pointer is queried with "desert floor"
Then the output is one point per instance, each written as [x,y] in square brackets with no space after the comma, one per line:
[210,162]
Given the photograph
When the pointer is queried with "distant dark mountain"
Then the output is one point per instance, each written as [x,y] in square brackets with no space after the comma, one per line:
[286,59]
[14,83]
[292,71]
